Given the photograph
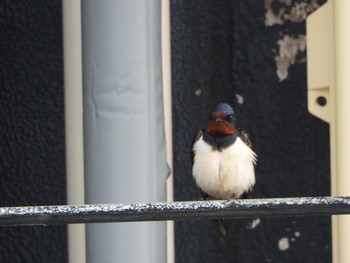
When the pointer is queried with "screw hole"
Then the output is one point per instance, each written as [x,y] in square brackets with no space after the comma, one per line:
[321,101]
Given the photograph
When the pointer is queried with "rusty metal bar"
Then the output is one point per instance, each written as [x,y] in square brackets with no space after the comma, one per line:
[102,213]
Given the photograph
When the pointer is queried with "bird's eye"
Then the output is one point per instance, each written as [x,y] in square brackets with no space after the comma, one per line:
[229,117]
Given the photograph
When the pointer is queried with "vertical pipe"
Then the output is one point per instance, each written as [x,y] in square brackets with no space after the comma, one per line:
[166,70]
[124,140]
[74,122]
[332,126]
[342,118]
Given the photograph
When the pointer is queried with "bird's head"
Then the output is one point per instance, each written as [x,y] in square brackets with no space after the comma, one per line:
[222,121]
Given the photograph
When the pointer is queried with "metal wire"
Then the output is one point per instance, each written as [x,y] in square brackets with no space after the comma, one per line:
[101,213]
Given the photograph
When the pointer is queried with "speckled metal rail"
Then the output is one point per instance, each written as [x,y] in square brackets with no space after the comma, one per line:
[102,213]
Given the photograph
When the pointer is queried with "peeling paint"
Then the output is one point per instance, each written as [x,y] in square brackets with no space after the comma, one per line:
[240,99]
[270,17]
[288,50]
[254,223]
[283,243]
[297,13]
[277,13]
[287,2]
[198,92]
[300,11]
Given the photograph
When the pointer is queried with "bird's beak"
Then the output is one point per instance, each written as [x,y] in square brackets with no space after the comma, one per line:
[218,120]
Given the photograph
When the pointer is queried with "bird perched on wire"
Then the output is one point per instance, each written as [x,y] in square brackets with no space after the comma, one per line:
[223,161]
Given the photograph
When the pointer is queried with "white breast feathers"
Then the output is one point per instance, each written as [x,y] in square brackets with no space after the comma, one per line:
[224,174]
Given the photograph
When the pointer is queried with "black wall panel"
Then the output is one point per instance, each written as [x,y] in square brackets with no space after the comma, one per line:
[225,51]
[32,162]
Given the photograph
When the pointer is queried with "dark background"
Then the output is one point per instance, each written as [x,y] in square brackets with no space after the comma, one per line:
[224,48]
[32,164]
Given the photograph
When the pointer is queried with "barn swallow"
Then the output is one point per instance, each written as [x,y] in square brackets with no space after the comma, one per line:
[223,159]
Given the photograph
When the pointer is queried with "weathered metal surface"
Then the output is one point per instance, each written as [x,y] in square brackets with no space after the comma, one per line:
[102,213]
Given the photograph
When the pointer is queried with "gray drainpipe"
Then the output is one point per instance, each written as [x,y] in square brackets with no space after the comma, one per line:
[124,155]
